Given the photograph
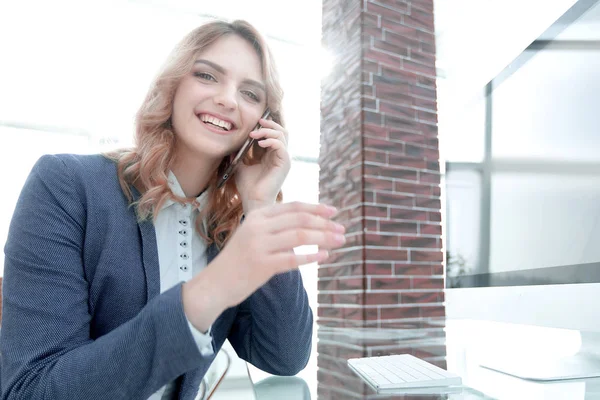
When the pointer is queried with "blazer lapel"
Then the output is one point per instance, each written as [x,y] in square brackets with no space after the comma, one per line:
[149,253]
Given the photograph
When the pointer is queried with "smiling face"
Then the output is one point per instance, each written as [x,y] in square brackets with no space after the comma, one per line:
[219,102]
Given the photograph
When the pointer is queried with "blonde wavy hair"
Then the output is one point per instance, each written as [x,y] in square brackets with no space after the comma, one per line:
[147,164]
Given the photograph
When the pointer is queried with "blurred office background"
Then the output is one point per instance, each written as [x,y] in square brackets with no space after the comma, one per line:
[523,154]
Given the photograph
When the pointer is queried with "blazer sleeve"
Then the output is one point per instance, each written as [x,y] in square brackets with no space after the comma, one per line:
[45,345]
[273,327]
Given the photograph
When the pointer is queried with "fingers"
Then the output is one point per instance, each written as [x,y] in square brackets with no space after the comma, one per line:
[274,144]
[269,123]
[292,238]
[304,220]
[278,210]
[268,133]
[289,261]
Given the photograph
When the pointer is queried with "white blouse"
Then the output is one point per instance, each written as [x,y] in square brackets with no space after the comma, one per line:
[181,255]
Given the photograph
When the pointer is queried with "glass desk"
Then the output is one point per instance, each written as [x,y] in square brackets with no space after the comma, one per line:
[444,343]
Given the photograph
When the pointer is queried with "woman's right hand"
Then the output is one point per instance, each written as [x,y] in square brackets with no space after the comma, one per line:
[260,248]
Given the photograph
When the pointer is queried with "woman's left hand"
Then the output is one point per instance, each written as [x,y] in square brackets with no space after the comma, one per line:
[259,184]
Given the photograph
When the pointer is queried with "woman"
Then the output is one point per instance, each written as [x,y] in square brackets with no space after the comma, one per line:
[124,274]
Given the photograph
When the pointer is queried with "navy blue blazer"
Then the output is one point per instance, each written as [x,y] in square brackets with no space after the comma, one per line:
[83,317]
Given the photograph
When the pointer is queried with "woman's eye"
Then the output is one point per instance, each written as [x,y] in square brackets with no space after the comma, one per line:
[251,95]
[205,76]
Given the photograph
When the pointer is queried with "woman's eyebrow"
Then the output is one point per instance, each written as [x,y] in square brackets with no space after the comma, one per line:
[221,70]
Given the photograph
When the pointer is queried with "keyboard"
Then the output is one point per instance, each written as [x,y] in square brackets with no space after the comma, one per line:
[401,372]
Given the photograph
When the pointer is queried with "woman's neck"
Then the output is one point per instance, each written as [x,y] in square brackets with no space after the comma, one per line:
[194,176]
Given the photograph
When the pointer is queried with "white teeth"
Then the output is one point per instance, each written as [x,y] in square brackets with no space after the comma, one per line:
[215,121]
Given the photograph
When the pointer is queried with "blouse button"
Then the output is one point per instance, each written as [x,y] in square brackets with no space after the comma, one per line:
[183,267]
[183,244]
[184,256]
[183,222]
[183,232]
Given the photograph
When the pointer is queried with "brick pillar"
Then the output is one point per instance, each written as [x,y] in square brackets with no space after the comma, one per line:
[380,166]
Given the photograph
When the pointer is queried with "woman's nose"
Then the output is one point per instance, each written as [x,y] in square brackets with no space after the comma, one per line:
[227,98]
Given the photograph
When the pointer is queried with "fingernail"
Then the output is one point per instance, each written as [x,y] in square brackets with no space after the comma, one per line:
[340,238]
[332,209]
[340,228]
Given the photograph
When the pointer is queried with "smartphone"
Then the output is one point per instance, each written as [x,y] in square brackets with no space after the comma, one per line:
[241,153]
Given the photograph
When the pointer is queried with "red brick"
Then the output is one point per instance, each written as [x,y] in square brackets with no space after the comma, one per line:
[383,57]
[428,48]
[398,75]
[425,59]
[372,268]
[433,312]
[385,254]
[375,131]
[425,229]
[433,166]
[420,91]
[376,156]
[406,161]
[374,183]
[394,122]
[420,297]
[427,116]
[398,227]
[353,227]
[344,256]
[370,20]
[426,81]
[428,104]
[394,199]
[388,13]
[424,5]
[430,256]
[419,20]
[397,110]
[390,283]
[369,104]
[371,117]
[383,145]
[372,239]
[429,177]
[372,299]
[395,93]
[398,5]
[372,225]
[428,70]
[398,28]
[413,270]
[347,313]
[407,215]
[434,216]
[390,48]
[341,271]
[428,283]
[428,202]
[400,312]
[341,283]
[390,172]
[370,66]
[414,188]
[416,241]
[376,211]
